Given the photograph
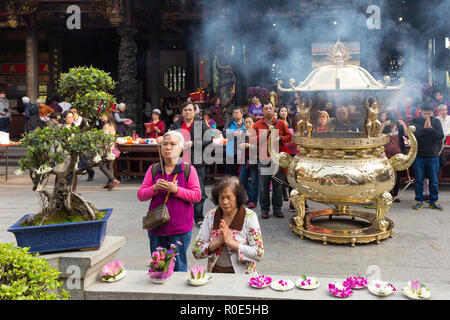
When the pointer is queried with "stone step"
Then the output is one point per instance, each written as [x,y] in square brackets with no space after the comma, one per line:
[138,286]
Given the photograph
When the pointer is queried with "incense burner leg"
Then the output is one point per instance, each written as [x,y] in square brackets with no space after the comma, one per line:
[298,201]
[384,203]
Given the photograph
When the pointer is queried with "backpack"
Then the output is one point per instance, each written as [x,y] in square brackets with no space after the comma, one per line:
[186,171]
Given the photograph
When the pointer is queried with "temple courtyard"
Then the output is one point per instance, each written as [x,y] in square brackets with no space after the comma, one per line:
[419,249]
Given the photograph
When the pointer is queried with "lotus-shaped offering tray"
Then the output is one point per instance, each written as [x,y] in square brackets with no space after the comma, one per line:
[113,271]
[198,276]
[381,288]
[417,291]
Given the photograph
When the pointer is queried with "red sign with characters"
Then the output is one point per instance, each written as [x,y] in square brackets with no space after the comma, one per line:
[21,68]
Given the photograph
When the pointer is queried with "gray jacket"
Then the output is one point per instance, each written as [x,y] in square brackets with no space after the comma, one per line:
[4,105]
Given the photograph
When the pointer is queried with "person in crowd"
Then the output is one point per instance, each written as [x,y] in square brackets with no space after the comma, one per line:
[232,131]
[408,111]
[53,103]
[231,236]
[429,136]
[5,113]
[439,99]
[67,118]
[217,113]
[156,127]
[228,113]
[32,120]
[107,167]
[77,119]
[170,176]
[249,168]
[396,130]
[172,109]
[341,122]
[55,118]
[120,118]
[383,116]
[256,108]
[64,105]
[322,120]
[283,116]
[176,117]
[444,118]
[262,129]
[329,109]
[147,112]
[194,132]
[207,117]
[445,122]
[356,117]
[44,110]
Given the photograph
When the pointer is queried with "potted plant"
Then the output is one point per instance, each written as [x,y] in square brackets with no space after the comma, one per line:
[162,264]
[55,152]
[27,277]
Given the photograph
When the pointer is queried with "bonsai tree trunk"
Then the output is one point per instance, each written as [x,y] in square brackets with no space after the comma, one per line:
[63,201]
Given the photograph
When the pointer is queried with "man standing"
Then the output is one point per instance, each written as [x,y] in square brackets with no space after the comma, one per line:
[233,130]
[429,136]
[193,131]
[262,130]
[5,113]
[438,100]
[444,118]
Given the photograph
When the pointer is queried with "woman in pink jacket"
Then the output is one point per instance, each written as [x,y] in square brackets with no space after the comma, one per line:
[171,176]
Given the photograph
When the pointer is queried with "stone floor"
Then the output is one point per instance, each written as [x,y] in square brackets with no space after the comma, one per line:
[420,248]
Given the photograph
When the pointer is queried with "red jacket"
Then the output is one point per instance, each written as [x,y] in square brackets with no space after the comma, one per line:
[150,129]
[283,132]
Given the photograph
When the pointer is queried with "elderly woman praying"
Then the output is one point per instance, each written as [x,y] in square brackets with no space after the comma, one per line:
[230,236]
[181,180]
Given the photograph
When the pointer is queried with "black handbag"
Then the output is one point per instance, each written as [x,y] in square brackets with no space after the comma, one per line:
[158,215]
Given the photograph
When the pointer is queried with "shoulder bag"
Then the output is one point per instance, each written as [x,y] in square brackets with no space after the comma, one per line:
[158,215]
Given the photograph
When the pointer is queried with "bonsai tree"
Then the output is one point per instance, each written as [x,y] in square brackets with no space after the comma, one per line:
[55,152]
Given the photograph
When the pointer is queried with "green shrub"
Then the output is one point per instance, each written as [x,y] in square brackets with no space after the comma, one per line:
[24,276]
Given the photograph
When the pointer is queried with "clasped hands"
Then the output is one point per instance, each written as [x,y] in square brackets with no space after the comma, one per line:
[224,238]
[162,184]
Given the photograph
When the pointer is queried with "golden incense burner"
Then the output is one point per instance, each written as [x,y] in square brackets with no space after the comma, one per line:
[342,168]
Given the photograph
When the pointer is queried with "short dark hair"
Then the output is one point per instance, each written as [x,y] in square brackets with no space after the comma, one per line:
[235,185]
[238,108]
[185,104]
[428,107]
[65,113]
[249,116]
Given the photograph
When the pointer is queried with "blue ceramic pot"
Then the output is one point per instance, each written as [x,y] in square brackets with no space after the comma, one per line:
[61,237]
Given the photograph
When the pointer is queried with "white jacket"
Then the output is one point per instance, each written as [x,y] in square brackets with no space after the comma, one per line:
[244,229]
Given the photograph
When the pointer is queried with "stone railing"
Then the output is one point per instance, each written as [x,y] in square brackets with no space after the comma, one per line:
[81,276]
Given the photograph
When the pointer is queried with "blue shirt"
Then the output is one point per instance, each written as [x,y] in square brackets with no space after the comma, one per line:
[230,127]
